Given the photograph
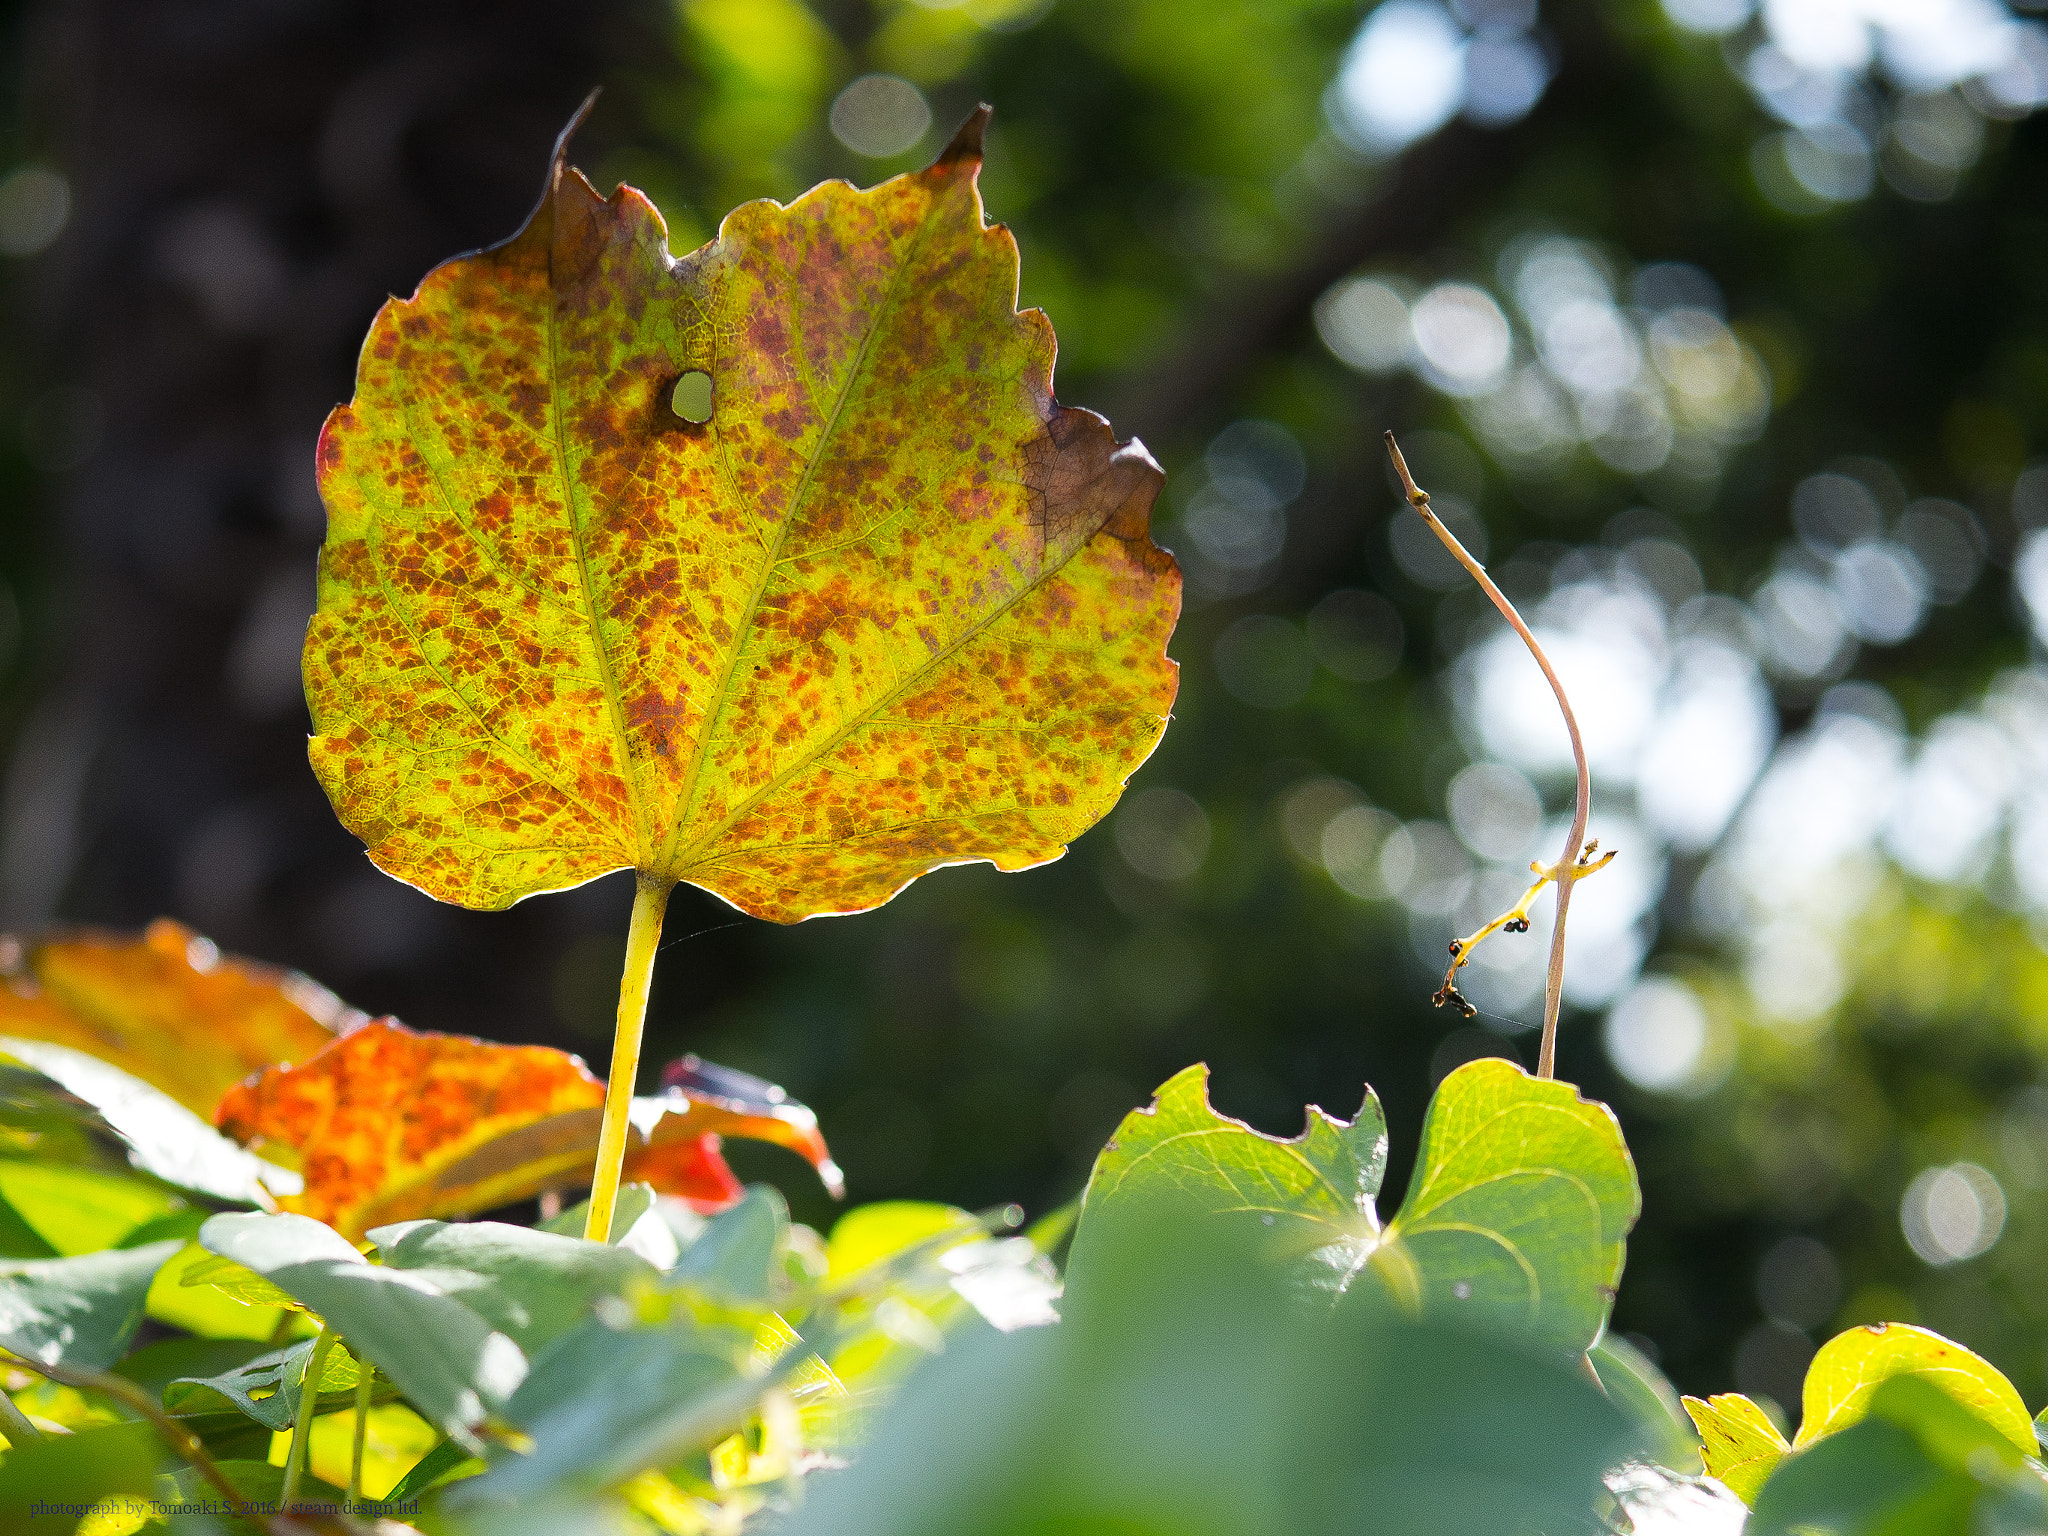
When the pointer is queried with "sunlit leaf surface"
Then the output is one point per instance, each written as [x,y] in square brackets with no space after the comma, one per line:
[447,1360]
[1916,1461]
[78,1311]
[267,1387]
[531,1286]
[165,1007]
[1516,1214]
[1852,1365]
[1320,1185]
[388,1124]
[1738,1441]
[889,607]
[76,1108]
[1521,1199]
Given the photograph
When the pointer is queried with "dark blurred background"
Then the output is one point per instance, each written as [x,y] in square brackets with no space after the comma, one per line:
[1719,329]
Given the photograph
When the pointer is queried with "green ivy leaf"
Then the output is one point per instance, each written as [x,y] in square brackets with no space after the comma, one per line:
[1738,1442]
[1316,1191]
[1843,1376]
[79,1311]
[1522,1196]
[530,1286]
[1188,1391]
[1516,1214]
[450,1363]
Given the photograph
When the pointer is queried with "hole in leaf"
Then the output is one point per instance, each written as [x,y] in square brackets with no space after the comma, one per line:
[691,398]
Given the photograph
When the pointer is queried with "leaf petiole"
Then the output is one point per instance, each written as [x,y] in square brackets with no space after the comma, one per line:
[364,1381]
[643,938]
[15,1424]
[302,1425]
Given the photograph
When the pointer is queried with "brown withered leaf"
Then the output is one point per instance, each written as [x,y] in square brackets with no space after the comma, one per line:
[389,1124]
[165,1006]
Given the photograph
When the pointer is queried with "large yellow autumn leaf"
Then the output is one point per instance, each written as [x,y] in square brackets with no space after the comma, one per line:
[889,607]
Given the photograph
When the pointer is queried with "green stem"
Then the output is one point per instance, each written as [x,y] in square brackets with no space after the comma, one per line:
[366,1376]
[19,1430]
[302,1426]
[643,938]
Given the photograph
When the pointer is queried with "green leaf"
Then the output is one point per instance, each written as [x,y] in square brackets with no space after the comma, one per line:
[155,1366]
[444,1463]
[1642,1391]
[602,1404]
[1916,1462]
[530,1286]
[1873,1478]
[450,1364]
[874,1234]
[1522,1196]
[1850,1368]
[1738,1442]
[160,1136]
[43,1485]
[19,1240]
[268,1387]
[1516,1214]
[739,1252]
[237,1281]
[82,1210]
[1315,1192]
[79,1311]
[208,1310]
[1189,1392]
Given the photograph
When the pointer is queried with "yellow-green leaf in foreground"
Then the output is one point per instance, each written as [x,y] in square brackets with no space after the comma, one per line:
[1742,1447]
[1738,1442]
[1516,1214]
[889,607]
[1852,1365]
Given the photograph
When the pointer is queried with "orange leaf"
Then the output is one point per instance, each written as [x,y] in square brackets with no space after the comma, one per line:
[702,1097]
[691,1169]
[388,1124]
[166,1007]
